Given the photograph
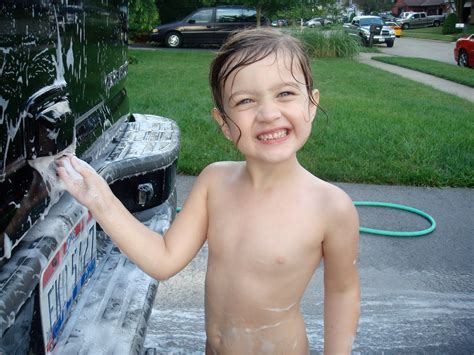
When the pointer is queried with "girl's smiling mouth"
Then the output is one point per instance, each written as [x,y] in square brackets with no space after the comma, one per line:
[273,136]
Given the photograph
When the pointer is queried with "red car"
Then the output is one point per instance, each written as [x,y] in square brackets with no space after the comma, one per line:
[464,51]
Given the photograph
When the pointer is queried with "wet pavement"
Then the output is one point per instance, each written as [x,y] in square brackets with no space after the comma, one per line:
[417,293]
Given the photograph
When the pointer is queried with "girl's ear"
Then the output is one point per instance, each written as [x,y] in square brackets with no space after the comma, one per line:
[217,115]
[313,107]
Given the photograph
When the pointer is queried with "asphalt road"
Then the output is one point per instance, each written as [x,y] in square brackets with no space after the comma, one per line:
[413,47]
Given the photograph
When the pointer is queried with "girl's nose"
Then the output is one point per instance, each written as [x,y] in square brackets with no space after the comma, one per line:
[268,111]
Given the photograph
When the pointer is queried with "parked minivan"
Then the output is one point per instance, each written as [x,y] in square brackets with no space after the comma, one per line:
[209,25]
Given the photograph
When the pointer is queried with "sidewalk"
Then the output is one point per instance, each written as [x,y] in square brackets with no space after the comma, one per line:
[447,86]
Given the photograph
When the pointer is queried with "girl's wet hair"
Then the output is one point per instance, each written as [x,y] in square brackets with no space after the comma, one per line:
[250,46]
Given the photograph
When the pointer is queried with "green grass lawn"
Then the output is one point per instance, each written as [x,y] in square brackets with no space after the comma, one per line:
[434,33]
[380,129]
[464,76]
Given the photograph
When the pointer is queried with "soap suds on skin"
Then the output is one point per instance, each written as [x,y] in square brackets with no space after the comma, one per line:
[283,309]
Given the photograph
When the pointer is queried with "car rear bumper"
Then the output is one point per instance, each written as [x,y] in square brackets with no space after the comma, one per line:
[142,146]
[383,39]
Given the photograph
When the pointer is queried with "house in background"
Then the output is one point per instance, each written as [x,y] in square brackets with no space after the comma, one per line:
[431,7]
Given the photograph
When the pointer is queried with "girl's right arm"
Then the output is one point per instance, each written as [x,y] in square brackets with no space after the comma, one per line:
[159,257]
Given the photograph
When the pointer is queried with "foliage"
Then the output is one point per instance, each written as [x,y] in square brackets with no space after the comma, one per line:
[335,43]
[449,25]
[143,15]
[352,17]
[370,6]
[174,10]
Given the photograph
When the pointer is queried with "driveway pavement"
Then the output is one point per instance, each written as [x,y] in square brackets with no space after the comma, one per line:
[418,48]
[417,293]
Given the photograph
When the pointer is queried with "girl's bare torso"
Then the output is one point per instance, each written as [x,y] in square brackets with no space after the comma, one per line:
[263,250]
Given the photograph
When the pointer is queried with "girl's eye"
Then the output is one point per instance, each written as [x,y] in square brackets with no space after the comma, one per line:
[244,101]
[285,94]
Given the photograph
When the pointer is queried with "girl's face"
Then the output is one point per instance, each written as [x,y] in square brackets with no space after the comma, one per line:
[269,103]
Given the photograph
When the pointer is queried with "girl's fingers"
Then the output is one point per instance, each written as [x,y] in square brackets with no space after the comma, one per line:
[65,179]
[73,173]
[81,166]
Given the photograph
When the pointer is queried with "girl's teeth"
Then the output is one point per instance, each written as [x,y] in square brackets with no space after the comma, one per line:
[274,135]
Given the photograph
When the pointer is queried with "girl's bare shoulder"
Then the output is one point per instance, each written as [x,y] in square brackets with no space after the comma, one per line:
[220,171]
[335,200]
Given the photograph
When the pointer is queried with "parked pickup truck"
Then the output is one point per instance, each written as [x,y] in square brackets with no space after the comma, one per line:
[370,30]
[64,287]
[419,19]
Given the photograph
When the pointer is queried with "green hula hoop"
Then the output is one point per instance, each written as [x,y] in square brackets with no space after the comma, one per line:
[398,207]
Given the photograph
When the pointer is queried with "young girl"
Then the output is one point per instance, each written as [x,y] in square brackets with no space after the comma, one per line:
[267,221]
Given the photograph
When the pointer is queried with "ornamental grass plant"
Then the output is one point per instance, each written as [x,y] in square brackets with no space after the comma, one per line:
[328,43]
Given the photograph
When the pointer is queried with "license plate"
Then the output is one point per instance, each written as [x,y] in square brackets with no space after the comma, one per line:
[61,281]
[381,39]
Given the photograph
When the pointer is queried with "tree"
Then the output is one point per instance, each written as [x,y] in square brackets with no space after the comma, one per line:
[459,7]
[143,15]
[369,6]
[173,10]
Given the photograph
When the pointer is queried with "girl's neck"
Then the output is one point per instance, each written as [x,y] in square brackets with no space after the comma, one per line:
[263,176]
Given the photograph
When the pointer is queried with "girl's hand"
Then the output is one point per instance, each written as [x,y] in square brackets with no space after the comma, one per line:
[83,183]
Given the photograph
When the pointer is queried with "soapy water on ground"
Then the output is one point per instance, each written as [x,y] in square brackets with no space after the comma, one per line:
[398,322]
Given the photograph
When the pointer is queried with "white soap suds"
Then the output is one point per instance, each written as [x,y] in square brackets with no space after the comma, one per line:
[7,246]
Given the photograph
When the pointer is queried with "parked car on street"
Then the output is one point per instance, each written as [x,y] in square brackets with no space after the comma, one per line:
[420,19]
[404,15]
[464,51]
[394,26]
[318,21]
[210,26]
[386,16]
[370,30]
[64,287]
[280,22]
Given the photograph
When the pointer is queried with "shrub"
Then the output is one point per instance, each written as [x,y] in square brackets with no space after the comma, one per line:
[449,25]
[334,43]
[143,15]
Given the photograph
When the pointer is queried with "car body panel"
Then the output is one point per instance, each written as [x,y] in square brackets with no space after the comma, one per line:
[318,21]
[395,27]
[208,26]
[465,44]
[63,72]
[419,19]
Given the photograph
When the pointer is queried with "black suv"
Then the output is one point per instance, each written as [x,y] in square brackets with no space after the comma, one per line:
[63,69]
[206,26]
